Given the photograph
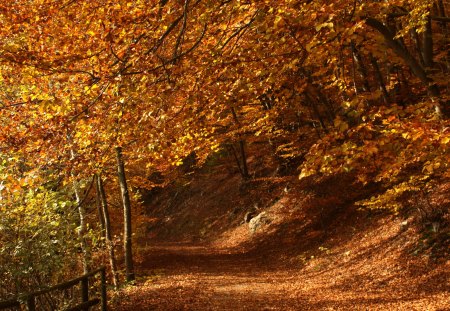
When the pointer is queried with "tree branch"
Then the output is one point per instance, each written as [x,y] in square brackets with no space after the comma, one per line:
[399,49]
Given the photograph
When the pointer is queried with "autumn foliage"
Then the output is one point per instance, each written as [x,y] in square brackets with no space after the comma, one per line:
[329,86]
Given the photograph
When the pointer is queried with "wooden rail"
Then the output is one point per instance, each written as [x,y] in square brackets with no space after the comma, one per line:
[30,299]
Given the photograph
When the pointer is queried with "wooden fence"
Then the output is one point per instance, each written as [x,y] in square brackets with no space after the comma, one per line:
[30,299]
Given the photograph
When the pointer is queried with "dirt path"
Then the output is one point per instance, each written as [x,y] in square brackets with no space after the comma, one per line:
[192,277]
[318,252]
[197,277]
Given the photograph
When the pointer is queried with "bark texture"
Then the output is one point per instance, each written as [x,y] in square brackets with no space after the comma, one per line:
[127,233]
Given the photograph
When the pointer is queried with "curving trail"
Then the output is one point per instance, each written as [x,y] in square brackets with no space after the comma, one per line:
[198,277]
[318,252]
[193,277]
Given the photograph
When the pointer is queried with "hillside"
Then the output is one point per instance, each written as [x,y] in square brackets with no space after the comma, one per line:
[316,250]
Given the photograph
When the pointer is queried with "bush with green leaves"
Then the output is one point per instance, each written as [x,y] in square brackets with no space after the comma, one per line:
[38,240]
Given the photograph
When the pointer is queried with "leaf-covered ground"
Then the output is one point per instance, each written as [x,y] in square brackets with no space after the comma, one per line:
[319,252]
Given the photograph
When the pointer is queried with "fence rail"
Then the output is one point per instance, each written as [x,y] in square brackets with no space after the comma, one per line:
[30,299]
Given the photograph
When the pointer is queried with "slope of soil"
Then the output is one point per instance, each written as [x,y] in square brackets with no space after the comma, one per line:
[316,251]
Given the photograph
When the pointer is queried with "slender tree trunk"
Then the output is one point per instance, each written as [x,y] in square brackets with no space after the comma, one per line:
[244,159]
[107,231]
[361,68]
[355,85]
[98,202]
[313,106]
[236,158]
[427,50]
[244,170]
[83,226]
[380,79]
[127,234]
[442,13]
[416,40]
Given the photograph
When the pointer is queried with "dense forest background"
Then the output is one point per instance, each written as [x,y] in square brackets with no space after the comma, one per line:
[102,101]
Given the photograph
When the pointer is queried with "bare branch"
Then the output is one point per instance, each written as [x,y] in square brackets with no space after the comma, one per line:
[238,31]
[182,30]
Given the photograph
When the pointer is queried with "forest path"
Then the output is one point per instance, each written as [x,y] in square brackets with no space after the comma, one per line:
[197,277]
[186,276]
[318,252]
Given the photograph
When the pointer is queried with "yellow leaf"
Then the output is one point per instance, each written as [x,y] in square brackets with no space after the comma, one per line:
[445,140]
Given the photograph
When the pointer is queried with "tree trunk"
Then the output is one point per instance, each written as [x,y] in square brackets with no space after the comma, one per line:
[442,13]
[244,159]
[127,216]
[244,170]
[313,106]
[361,68]
[380,79]
[427,50]
[98,202]
[418,46]
[236,158]
[107,230]
[83,226]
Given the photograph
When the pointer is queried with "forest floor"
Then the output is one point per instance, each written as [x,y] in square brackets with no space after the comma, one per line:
[315,249]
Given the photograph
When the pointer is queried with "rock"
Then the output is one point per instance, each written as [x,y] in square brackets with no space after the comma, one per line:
[252,212]
[249,215]
[258,221]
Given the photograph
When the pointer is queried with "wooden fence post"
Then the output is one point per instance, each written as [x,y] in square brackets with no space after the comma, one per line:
[31,303]
[104,298]
[85,291]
